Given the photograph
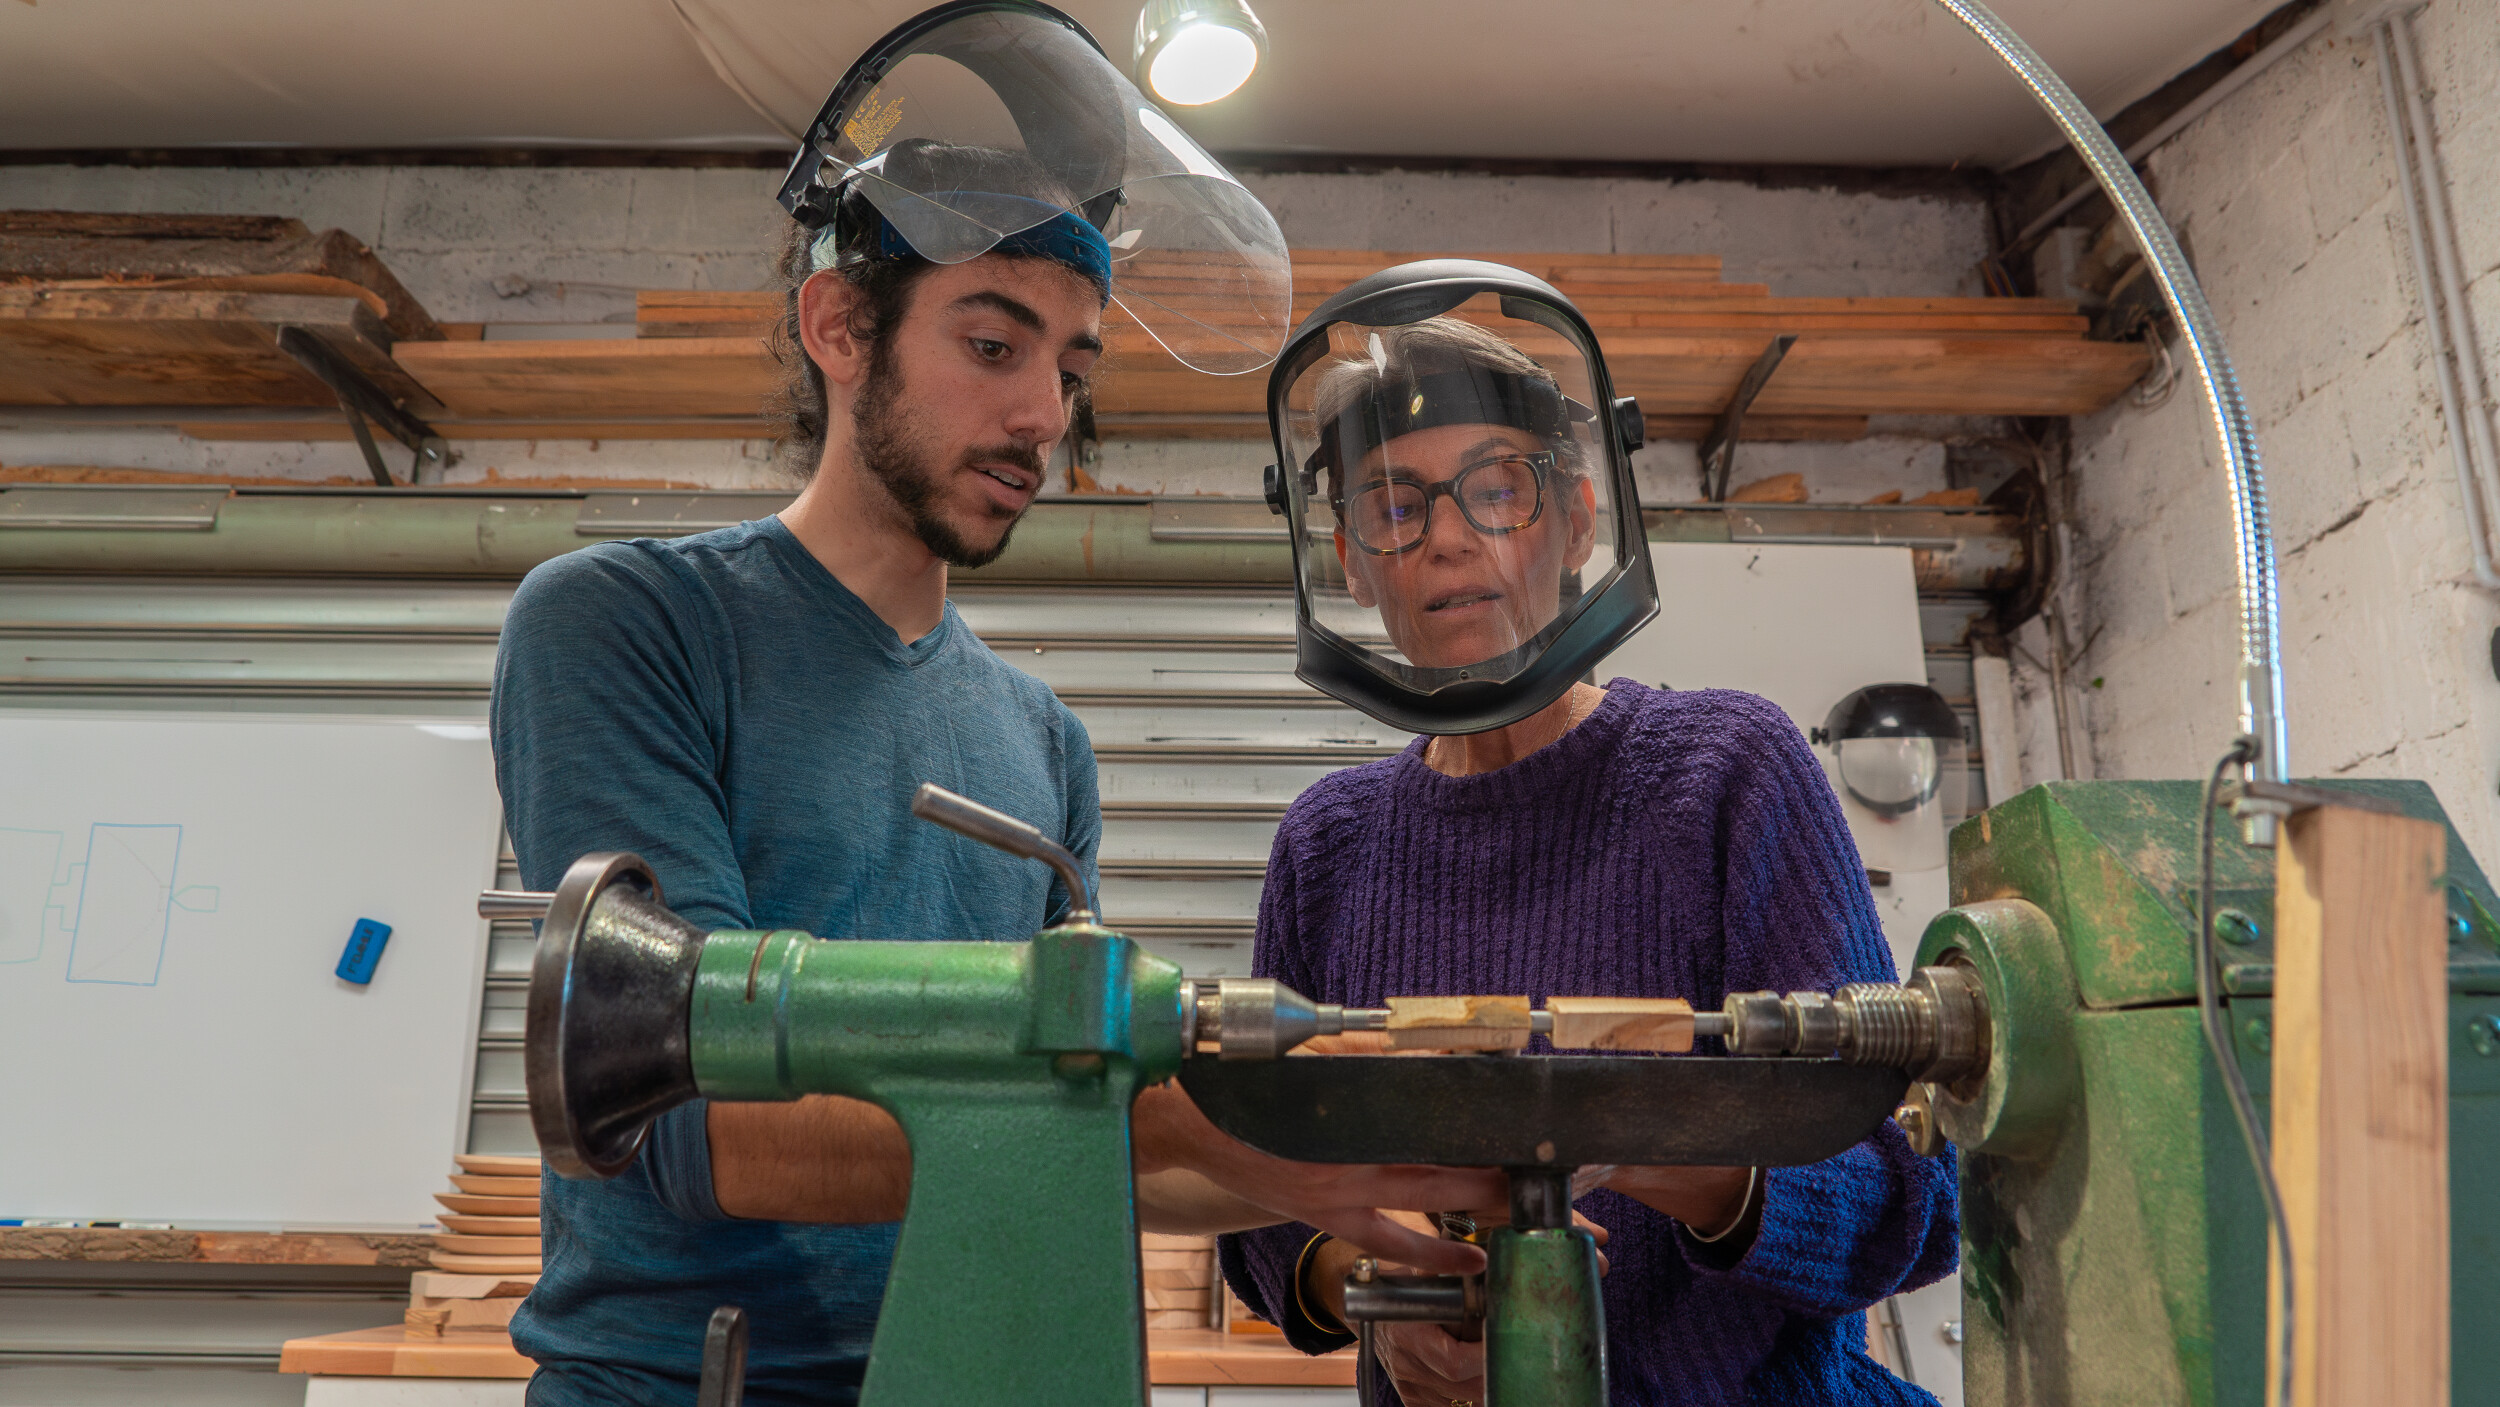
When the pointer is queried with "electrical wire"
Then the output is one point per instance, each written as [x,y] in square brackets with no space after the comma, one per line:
[2226,1056]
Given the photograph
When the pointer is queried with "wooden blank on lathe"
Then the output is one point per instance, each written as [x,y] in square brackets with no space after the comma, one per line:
[1621,1023]
[1458,1023]
[2360,1127]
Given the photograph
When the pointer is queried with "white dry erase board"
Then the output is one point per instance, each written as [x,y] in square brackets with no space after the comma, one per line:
[175,894]
[1802,626]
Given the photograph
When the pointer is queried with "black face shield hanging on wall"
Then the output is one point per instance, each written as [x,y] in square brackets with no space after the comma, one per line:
[1000,123]
[1457,472]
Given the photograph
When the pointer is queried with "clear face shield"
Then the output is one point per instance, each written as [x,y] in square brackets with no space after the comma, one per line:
[1467,537]
[1896,755]
[976,122]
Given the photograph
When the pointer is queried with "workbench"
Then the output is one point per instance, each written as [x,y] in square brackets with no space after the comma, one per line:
[389,1367]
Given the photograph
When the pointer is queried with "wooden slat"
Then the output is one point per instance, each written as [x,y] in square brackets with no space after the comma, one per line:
[2360,1120]
[581,379]
[216,1247]
[1671,375]
[236,253]
[393,1352]
[1174,1358]
[114,346]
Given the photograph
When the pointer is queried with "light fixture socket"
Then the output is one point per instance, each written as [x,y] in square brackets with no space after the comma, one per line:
[1160,20]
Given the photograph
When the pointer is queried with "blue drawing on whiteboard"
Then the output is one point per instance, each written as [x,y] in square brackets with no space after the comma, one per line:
[28,860]
[125,904]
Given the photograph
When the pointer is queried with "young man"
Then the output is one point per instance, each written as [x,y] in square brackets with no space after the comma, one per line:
[749,710]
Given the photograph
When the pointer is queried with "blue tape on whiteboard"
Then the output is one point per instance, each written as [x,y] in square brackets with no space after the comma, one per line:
[364,951]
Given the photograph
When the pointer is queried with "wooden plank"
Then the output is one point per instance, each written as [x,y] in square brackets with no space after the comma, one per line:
[392,1352]
[215,1247]
[1458,1023]
[115,346]
[1621,1023]
[2360,1117]
[589,379]
[1671,374]
[1175,1357]
[1211,1358]
[241,253]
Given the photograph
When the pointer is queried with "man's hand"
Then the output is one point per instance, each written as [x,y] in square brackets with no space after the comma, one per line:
[822,1158]
[1343,1200]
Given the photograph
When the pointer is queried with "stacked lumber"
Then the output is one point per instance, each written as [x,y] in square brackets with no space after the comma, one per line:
[163,310]
[175,310]
[1675,336]
[1178,1275]
[490,1218]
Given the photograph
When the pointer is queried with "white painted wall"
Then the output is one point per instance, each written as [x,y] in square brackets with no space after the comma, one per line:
[481,244]
[2286,196]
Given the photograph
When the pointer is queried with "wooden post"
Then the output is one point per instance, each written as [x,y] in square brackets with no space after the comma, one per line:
[2360,1123]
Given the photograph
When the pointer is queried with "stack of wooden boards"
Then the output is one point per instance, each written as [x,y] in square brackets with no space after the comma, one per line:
[1178,1273]
[487,1255]
[1675,337]
[184,310]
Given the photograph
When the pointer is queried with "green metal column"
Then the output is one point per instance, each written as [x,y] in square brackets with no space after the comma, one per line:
[1011,1067]
[1544,1320]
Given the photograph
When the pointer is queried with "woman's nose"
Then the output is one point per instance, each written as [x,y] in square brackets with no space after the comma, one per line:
[1449,534]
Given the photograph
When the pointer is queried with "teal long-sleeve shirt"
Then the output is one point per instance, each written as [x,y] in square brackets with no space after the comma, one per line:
[725,708]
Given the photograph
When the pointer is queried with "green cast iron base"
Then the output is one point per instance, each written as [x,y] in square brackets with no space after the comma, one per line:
[1544,1323]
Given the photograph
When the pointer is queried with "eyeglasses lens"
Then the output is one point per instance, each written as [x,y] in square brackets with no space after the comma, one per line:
[1496,496]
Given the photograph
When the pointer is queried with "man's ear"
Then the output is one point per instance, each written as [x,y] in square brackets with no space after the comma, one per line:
[826,303]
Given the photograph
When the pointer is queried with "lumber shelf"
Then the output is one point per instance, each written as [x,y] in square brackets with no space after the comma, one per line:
[112,346]
[1174,1358]
[1671,374]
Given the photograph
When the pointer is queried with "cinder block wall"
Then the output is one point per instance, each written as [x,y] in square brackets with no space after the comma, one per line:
[2287,197]
[570,245]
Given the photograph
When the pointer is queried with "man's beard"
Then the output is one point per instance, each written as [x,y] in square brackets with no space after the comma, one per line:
[904,465]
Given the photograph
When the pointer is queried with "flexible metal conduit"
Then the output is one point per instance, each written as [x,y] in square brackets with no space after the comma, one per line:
[2455,358]
[2260,670]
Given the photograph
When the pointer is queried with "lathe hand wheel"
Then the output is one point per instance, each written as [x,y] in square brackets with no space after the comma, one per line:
[606,1048]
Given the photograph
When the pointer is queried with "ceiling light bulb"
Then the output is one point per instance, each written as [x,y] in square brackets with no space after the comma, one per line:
[1201,64]
[1192,52]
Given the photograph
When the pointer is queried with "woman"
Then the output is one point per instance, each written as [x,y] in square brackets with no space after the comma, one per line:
[1620,841]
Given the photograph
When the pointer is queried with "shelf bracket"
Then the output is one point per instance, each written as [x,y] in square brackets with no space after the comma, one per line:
[1718,448]
[362,401]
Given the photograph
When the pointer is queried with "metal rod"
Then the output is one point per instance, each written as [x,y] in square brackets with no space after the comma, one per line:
[2423,181]
[2260,665]
[513,903]
[1000,831]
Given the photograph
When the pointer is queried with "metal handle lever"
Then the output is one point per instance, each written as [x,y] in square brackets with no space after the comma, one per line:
[513,903]
[1000,831]
[724,1381]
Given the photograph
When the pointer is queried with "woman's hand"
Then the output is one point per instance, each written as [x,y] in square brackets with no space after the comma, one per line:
[1346,1201]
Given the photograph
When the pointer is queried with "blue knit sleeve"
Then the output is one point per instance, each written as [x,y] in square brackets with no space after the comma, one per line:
[605,720]
[1839,1235]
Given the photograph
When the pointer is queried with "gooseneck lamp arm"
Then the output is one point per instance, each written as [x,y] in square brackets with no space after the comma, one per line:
[2261,669]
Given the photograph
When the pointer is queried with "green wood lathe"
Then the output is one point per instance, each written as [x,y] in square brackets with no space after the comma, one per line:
[2113,1247]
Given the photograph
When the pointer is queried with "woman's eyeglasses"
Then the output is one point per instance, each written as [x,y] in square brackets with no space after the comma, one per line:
[1495,496]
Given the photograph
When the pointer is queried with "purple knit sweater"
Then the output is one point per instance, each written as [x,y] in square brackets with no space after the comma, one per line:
[1672,845]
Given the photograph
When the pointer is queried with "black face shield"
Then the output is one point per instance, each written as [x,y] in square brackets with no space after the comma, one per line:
[1457,470]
